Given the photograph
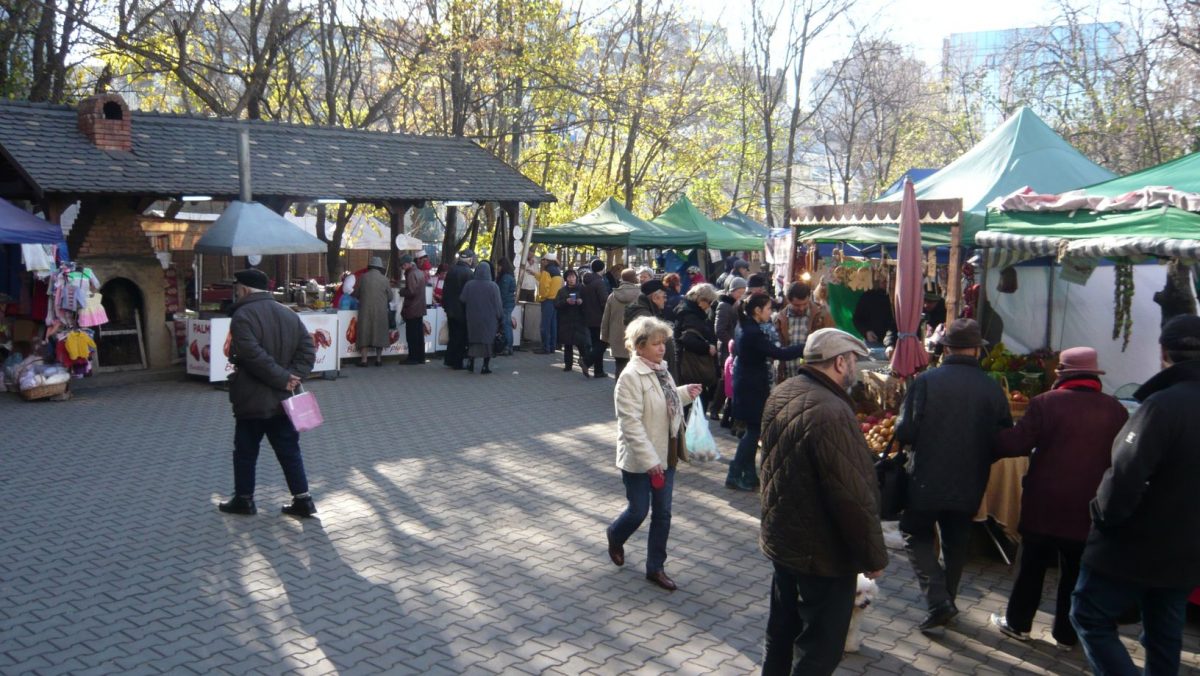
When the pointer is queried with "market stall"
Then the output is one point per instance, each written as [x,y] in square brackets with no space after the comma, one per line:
[1078,254]
[248,228]
[50,308]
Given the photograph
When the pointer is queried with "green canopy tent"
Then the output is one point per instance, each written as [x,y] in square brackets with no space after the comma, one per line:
[1155,223]
[685,216]
[612,226]
[1152,224]
[1023,151]
[739,221]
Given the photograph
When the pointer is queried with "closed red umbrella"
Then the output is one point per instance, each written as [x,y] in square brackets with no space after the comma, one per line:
[909,356]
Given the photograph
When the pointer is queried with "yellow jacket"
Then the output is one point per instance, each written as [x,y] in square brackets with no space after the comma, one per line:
[548,286]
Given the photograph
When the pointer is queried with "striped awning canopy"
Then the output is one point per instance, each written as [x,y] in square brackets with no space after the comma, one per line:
[1004,249]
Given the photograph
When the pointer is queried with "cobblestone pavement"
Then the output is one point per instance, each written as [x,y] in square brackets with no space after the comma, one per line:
[461,531]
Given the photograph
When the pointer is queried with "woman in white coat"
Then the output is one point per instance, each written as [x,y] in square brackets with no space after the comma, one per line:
[650,427]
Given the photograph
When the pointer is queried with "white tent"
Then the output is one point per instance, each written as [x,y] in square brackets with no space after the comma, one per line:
[1082,315]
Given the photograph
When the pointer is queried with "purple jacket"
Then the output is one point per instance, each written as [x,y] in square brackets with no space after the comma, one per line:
[1070,434]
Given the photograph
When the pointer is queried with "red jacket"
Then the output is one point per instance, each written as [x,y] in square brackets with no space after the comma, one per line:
[1070,433]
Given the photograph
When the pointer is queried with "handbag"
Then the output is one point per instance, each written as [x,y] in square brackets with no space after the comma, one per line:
[893,483]
[499,344]
[302,409]
[697,368]
[444,334]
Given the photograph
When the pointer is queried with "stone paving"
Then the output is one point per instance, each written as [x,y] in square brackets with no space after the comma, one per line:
[460,531]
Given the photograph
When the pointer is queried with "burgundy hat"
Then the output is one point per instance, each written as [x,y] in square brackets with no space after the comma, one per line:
[1078,361]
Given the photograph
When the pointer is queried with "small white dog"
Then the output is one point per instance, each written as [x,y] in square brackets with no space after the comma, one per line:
[864,595]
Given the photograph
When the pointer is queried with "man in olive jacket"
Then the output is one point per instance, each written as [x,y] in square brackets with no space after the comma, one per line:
[952,417]
[272,352]
[1144,546]
[820,508]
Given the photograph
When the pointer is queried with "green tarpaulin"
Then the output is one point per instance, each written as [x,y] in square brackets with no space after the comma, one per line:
[1023,151]
[685,216]
[842,301]
[611,225]
[1182,174]
[1157,222]
[739,221]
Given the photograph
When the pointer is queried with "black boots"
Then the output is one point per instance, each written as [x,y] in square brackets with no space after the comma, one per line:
[238,504]
[302,507]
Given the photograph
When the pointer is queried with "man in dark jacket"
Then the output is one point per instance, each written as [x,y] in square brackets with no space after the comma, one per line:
[595,295]
[1072,428]
[1144,545]
[951,416]
[272,352]
[820,508]
[412,310]
[456,318]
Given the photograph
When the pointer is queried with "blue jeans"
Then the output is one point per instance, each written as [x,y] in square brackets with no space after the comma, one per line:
[549,326]
[741,468]
[506,326]
[248,434]
[644,499]
[1099,600]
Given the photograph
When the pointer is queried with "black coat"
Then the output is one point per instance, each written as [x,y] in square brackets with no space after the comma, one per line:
[268,344]
[820,497]
[456,279]
[1146,514]
[952,417]
[751,380]
[693,331]
[595,295]
[572,327]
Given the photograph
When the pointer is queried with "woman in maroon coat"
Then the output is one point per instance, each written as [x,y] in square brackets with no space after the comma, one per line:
[1068,433]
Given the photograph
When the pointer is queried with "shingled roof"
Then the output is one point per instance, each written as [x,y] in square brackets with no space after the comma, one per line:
[43,152]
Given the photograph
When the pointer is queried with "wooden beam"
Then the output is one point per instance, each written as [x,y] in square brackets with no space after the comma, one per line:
[954,275]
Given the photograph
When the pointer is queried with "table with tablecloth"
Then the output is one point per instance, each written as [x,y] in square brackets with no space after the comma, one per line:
[1002,499]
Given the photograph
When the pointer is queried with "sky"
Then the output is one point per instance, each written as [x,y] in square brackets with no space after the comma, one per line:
[922,24]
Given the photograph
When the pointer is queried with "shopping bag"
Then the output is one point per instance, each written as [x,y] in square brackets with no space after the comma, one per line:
[893,483]
[700,443]
[303,411]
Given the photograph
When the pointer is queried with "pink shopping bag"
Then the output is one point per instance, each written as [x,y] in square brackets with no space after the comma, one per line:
[304,412]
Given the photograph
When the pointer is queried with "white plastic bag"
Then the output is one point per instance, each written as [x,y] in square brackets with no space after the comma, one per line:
[701,446]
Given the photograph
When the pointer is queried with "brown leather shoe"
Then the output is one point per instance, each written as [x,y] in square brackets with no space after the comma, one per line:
[616,553]
[660,578]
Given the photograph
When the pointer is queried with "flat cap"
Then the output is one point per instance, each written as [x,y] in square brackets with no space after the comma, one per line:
[825,344]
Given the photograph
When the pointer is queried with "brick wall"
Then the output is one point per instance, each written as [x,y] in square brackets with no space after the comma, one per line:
[113,231]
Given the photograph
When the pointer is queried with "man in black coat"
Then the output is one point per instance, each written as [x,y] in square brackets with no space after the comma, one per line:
[951,416]
[1144,546]
[272,352]
[456,316]
[595,296]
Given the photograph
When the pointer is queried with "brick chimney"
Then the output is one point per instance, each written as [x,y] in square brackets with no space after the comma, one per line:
[104,119]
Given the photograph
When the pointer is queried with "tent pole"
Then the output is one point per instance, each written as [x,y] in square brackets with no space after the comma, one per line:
[1050,305]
